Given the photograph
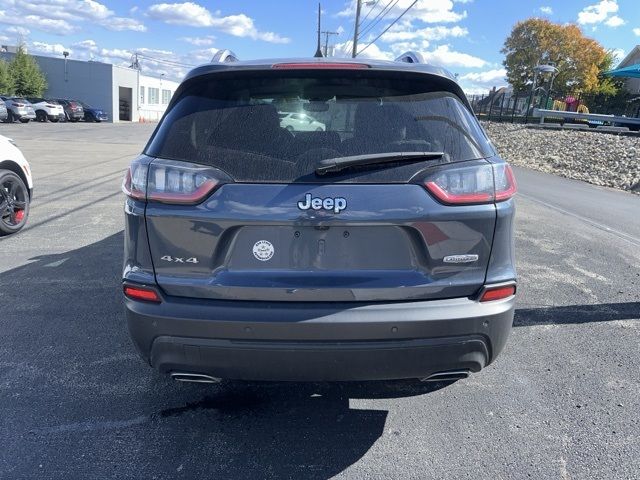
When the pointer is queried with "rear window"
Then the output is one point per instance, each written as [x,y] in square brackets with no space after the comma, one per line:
[277,127]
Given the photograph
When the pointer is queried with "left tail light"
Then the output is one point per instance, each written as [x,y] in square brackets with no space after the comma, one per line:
[167,181]
[467,185]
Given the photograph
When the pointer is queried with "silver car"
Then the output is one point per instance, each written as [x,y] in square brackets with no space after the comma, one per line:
[19,109]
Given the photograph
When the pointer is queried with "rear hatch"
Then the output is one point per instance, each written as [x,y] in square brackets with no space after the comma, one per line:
[239,209]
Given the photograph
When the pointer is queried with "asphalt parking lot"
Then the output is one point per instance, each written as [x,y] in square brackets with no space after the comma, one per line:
[560,402]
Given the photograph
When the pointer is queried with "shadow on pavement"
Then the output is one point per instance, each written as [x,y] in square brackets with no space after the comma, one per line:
[77,402]
[603,312]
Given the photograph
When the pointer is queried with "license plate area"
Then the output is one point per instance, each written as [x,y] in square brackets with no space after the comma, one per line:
[322,248]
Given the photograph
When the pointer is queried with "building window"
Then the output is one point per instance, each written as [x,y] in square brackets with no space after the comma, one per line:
[166,96]
[141,95]
[154,95]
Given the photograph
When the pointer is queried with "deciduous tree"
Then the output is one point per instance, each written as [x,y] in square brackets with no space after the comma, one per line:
[580,60]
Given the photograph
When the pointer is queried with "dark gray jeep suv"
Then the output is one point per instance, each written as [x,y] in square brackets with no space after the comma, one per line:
[378,248]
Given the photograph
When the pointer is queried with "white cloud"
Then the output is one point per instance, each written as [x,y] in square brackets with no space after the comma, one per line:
[64,17]
[598,13]
[482,82]
[19,31]
[546,10]
[636,31]
[427,33]
[614,21]
[373,51]
[445,57]
[194,15]
[426,11]
[199,41]
[51,49]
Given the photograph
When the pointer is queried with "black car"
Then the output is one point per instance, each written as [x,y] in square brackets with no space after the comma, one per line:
[93,114]
[378,248]
[72,109]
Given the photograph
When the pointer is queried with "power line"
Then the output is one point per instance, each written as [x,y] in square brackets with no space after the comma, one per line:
[378,18]
[386,29]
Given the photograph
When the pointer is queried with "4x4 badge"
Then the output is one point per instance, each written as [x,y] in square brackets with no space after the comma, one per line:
[336,204]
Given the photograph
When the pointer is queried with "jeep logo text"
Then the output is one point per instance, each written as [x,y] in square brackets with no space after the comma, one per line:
[316,203]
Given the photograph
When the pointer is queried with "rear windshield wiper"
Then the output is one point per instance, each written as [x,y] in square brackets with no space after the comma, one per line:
[340,163]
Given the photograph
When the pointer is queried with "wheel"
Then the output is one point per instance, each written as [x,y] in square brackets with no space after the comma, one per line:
[73,120]
[89,118]
[25,120]
[319,129]
[41,116]
[55,119]
[14,203]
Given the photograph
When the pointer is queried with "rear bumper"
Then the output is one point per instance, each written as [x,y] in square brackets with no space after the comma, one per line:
[319,341]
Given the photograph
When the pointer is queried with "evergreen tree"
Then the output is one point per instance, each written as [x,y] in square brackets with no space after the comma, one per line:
[28,79]
[6,81]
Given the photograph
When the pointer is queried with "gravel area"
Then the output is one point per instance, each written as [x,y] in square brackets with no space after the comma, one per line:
[598,158]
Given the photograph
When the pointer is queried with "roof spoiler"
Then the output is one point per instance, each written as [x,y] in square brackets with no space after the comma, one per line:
[224,56]
[411,57]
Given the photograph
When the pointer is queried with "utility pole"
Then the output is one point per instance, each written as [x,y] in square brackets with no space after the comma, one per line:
[326,41]
[356,30]
[318,50]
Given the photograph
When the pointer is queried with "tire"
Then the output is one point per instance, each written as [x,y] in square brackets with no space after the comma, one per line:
[74,120]
[14,203]
[55,120]
[319,129]
[41,116]
[25,120]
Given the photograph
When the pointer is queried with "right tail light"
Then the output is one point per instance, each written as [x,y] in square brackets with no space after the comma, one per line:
[486,183]
[167,181]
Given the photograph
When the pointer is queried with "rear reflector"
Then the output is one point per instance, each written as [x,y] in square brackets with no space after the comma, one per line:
[141,293]
[320,66]
[498,293]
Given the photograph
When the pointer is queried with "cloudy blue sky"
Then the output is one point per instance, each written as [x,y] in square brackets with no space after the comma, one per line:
[465,36]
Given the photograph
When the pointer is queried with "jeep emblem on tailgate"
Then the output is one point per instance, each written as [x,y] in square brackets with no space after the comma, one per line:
[336,204]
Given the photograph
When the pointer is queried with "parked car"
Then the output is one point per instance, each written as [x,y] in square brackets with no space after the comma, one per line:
[73,111]
[379,249]
[93,114]
[19,109]
[47,109]
[300,122]
[16,187]
[3,111]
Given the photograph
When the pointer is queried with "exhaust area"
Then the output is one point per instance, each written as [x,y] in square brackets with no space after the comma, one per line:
[447,376]
[194,377]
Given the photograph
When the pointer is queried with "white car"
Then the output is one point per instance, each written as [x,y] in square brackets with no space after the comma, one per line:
[47,109]
[16,187]
[300,122]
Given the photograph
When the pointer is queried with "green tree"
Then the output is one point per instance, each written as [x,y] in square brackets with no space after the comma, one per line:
[609,85]
[6,81]
[28,79]
[580,60]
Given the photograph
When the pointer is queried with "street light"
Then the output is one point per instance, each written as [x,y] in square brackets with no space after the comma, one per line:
[65,54]
[540,69]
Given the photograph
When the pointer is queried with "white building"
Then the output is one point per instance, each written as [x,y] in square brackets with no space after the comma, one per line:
[126,94]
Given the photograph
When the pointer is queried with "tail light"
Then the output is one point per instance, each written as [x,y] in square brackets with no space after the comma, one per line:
[19,105]
[473,185]
[320,66]
[167,181]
